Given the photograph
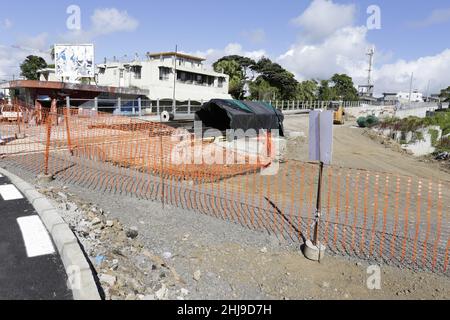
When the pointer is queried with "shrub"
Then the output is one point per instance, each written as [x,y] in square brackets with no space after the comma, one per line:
[372,121]
[362,122]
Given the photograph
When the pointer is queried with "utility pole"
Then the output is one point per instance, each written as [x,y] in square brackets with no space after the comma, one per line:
[174,103]
[370,53]
[410,89]
[428,91]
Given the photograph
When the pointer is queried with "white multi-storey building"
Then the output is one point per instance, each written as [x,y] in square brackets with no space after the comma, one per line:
[193,82]
[155,74]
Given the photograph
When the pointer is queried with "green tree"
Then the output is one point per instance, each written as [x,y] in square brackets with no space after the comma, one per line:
[344,88]
[31,65]
[238,68]
[234,71]
[326,93]
[307,90]
[277,77]
[261,90]
[445,94]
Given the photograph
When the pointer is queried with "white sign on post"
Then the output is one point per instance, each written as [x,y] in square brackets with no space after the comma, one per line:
[321,136]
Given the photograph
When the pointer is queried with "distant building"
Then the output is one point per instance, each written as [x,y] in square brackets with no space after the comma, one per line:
[194,81]
[403,97]
[416,96]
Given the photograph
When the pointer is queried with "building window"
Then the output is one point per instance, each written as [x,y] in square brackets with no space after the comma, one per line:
[164,73]
[137,71]
[121,74]
[221,82]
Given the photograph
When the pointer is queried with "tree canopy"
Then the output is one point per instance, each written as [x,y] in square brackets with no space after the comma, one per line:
[31,65]
[344,88]
[445,94]
[267,80]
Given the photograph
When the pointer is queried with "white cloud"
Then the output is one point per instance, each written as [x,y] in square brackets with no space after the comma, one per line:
[6,24]
[12,57]
[338,47]
[256,36]
[436,17]
[323,17]
[38,42]
[212,55]
[103,22]
[111,20]
[342,52]
[397,76]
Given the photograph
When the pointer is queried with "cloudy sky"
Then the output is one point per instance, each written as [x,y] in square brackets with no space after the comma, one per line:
[312,39]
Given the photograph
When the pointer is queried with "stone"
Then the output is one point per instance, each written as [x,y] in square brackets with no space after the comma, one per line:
[62,195]
[107,279]
[264,250]
[167,255]
[184,292]
[197,275]
[162,294]
[150,297]
[132,233]
[110,223]
[96,222]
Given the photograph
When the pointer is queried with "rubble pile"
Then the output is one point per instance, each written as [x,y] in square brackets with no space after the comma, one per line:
[125,270]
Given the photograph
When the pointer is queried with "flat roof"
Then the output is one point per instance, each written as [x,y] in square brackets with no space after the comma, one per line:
[51,86]
[171,54]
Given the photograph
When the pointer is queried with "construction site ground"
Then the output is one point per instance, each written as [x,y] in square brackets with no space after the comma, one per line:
[215,259]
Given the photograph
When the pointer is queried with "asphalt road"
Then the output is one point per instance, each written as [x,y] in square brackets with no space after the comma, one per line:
[30,268]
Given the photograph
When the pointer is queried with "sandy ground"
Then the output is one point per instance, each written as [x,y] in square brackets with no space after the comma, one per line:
[221,260]
[353,149]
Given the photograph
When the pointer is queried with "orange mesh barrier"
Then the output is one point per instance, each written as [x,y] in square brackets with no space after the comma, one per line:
[380,217]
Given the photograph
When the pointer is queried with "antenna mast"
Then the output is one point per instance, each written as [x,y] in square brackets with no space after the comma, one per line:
[370,53]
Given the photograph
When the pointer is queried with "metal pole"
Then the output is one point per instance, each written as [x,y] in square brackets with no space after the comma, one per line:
[189,106]
[96,104]
[140,106]
[119,104]
[318,206]
[158,108]
[174,101]
[67,120]
[410,89]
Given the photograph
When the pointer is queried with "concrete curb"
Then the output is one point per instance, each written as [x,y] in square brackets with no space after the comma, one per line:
[77,268]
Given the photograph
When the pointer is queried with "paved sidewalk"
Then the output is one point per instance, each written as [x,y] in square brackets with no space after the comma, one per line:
[30,267]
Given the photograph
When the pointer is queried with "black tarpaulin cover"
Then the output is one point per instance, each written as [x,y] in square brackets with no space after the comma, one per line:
[234,114]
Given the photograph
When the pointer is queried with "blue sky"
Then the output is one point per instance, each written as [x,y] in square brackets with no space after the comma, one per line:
[410,30]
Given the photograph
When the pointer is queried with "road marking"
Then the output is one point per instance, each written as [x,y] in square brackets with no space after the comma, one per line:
[10,192]
[35,236]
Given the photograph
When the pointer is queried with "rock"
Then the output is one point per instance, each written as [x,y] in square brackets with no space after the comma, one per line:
[115,264]
[167,255]
[162,294]
[107,279]
[264,250]
[62,195]
[132,233]
[110,223]
[184,292]
[325,285]
[150,297]
[96,222]
[197,275]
